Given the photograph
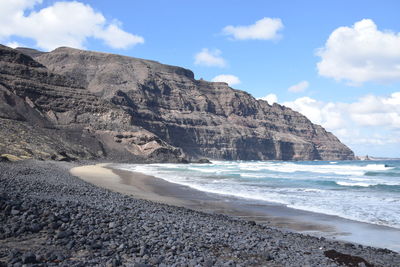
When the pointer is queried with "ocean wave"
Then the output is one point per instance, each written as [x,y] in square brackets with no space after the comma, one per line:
[360,216]
[353,190]
[315,200]
[313,190]
[384,187]
[360,179]
[384,173]
[353,184]
[255,175]
[379,167]
[325,169]
[207,170]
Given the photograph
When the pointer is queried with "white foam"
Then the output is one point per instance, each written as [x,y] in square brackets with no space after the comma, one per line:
[354,184]
[360,179]
[253,175]
[378,167]
[334,169]
[291,168]
[314,190]
[297,185]
[204,170]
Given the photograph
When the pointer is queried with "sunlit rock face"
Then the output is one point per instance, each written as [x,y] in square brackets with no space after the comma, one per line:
[123,102]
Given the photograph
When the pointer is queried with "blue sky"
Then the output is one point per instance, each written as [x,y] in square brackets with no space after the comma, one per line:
[337,62]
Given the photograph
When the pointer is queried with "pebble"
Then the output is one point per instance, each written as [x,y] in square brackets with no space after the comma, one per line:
[14,212]
[63,234]
[78,224]
[29,257]
[35,228]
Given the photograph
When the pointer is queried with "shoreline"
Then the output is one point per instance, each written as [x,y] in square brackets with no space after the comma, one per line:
[142,186]
[50,217]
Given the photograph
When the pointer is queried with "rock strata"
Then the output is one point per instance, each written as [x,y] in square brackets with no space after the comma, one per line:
[205,119]
[45,115]
[80,104]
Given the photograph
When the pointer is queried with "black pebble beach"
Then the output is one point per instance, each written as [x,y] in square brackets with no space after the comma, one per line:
[49,218]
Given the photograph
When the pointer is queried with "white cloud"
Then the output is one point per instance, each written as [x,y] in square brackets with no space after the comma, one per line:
[371,119]
[14,44]
[300,87]
[61,24]
[369,110]
[117,38]
[211,58]
[270,98]
[263,29]
[377,111]
[325,114]
[227,78]
[361,53]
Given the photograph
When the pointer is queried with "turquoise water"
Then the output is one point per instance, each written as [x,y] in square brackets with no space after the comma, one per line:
[367,191]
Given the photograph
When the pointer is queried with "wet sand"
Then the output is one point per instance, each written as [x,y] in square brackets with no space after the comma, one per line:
[147,187]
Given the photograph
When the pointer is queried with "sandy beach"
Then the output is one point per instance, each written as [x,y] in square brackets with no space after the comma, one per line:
[147,187]
[49,217]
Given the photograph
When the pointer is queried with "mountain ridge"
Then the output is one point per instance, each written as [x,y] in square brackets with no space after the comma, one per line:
[194,118]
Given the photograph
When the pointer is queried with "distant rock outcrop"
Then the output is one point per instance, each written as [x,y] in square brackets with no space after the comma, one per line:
[103,105]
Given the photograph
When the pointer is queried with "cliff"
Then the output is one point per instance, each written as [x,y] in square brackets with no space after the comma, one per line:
[125,103]
[50,116]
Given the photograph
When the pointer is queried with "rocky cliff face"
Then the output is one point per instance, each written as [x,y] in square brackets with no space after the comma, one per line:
[51,116]
[130,102]
[205,119]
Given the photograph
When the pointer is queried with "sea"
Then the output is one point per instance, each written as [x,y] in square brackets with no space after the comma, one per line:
[365,191]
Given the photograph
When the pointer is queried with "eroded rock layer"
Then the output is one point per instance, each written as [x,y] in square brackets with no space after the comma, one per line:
[50,116]
[203,118]
[140,107]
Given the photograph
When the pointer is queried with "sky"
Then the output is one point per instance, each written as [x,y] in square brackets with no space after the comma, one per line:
[337,62]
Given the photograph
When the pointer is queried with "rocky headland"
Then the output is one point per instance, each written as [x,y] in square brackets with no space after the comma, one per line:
[73,104]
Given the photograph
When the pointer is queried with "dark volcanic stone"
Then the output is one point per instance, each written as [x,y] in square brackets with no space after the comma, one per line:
[35,228]
[142,265]
[55,225]
[203,161]
[346,259]
[14,212]
[4,159]
[63,234]
[29,257]
[96,245]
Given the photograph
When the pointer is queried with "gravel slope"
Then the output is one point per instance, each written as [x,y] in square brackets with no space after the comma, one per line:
[48,217]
